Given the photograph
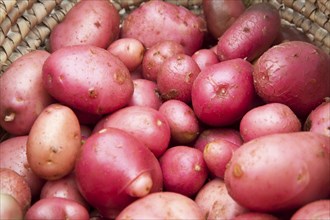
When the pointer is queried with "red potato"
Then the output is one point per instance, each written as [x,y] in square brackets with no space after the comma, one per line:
[205,57]
[156,21]
[55,137]
[9,207]
[319,209]
[216,203]
[162,205]
[22,96]
[251,34]
[56,208]
[291,167]
[221,14]
[256,216]
[214,134]
[114,169]
[144,123]
[88,78]
[222,93]
[184,125]
[156,55]
[15,185]
[66,188]
[13,156]
[293,73]
[145,94]
[129,50]
[290,33]
[184,170]
[217,154]
[176,77]
[268,119]
[88,22]
[318,119]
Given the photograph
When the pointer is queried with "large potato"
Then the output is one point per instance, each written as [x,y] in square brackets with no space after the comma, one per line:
[156,21]
[22,95]
[54,142]
[280,171]
[88,78]
[294,73]
[88,22]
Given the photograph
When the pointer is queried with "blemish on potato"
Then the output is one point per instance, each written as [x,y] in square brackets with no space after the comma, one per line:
[197,168]
[237,171]
[188,77]
[9,116]
[119,77]
[102,131]
[97,24]
[159,122]
[92,93]
[246,29]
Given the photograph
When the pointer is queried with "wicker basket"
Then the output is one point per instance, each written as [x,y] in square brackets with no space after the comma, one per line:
[26,24]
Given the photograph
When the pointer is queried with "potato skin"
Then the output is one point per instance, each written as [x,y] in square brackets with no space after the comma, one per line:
[252,33]
[294,73]
[319,209]
[88,78]
[156,21]
[22,95]
[54,142]
[88,22]
[291,167]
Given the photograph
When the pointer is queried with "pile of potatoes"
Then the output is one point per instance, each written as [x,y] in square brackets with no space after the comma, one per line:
[166,114]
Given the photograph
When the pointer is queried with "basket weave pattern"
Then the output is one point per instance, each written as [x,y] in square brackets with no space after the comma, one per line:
[25,25]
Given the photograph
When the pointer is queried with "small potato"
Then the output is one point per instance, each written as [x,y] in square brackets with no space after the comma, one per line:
[205,57]
[10,208]
[156,55]
[319,119]
[182,120]
[268,119]
[13,156]
[176,77]
[15,185]
[88,22]
[22,95]
[291,167]
[216,203]
[319,209]
[56,208]
[54,142]
[129,50]
[184,170]
[87,78]
[162,205]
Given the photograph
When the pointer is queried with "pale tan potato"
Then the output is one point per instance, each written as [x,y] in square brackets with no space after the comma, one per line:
[54,142]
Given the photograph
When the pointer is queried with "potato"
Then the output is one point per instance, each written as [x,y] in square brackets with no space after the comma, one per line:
[176,77]
[293,73]
[255,216]
[55,137]
[13,156]
[216,203]
[156,21]
[88,78]
[290,32]
[290,169]
[114,168]
[162,205]
[22,95]
[184,125]
[88,22]
[318,209]
[15,185]
[10,208]
[144,123]
[129,50]
[56,208]
[222,93]
[266,119]
[156,55]
[214,134]
[251,34]
[318,119]
[205,57]
[145,94]
[221,14]
[184,170]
